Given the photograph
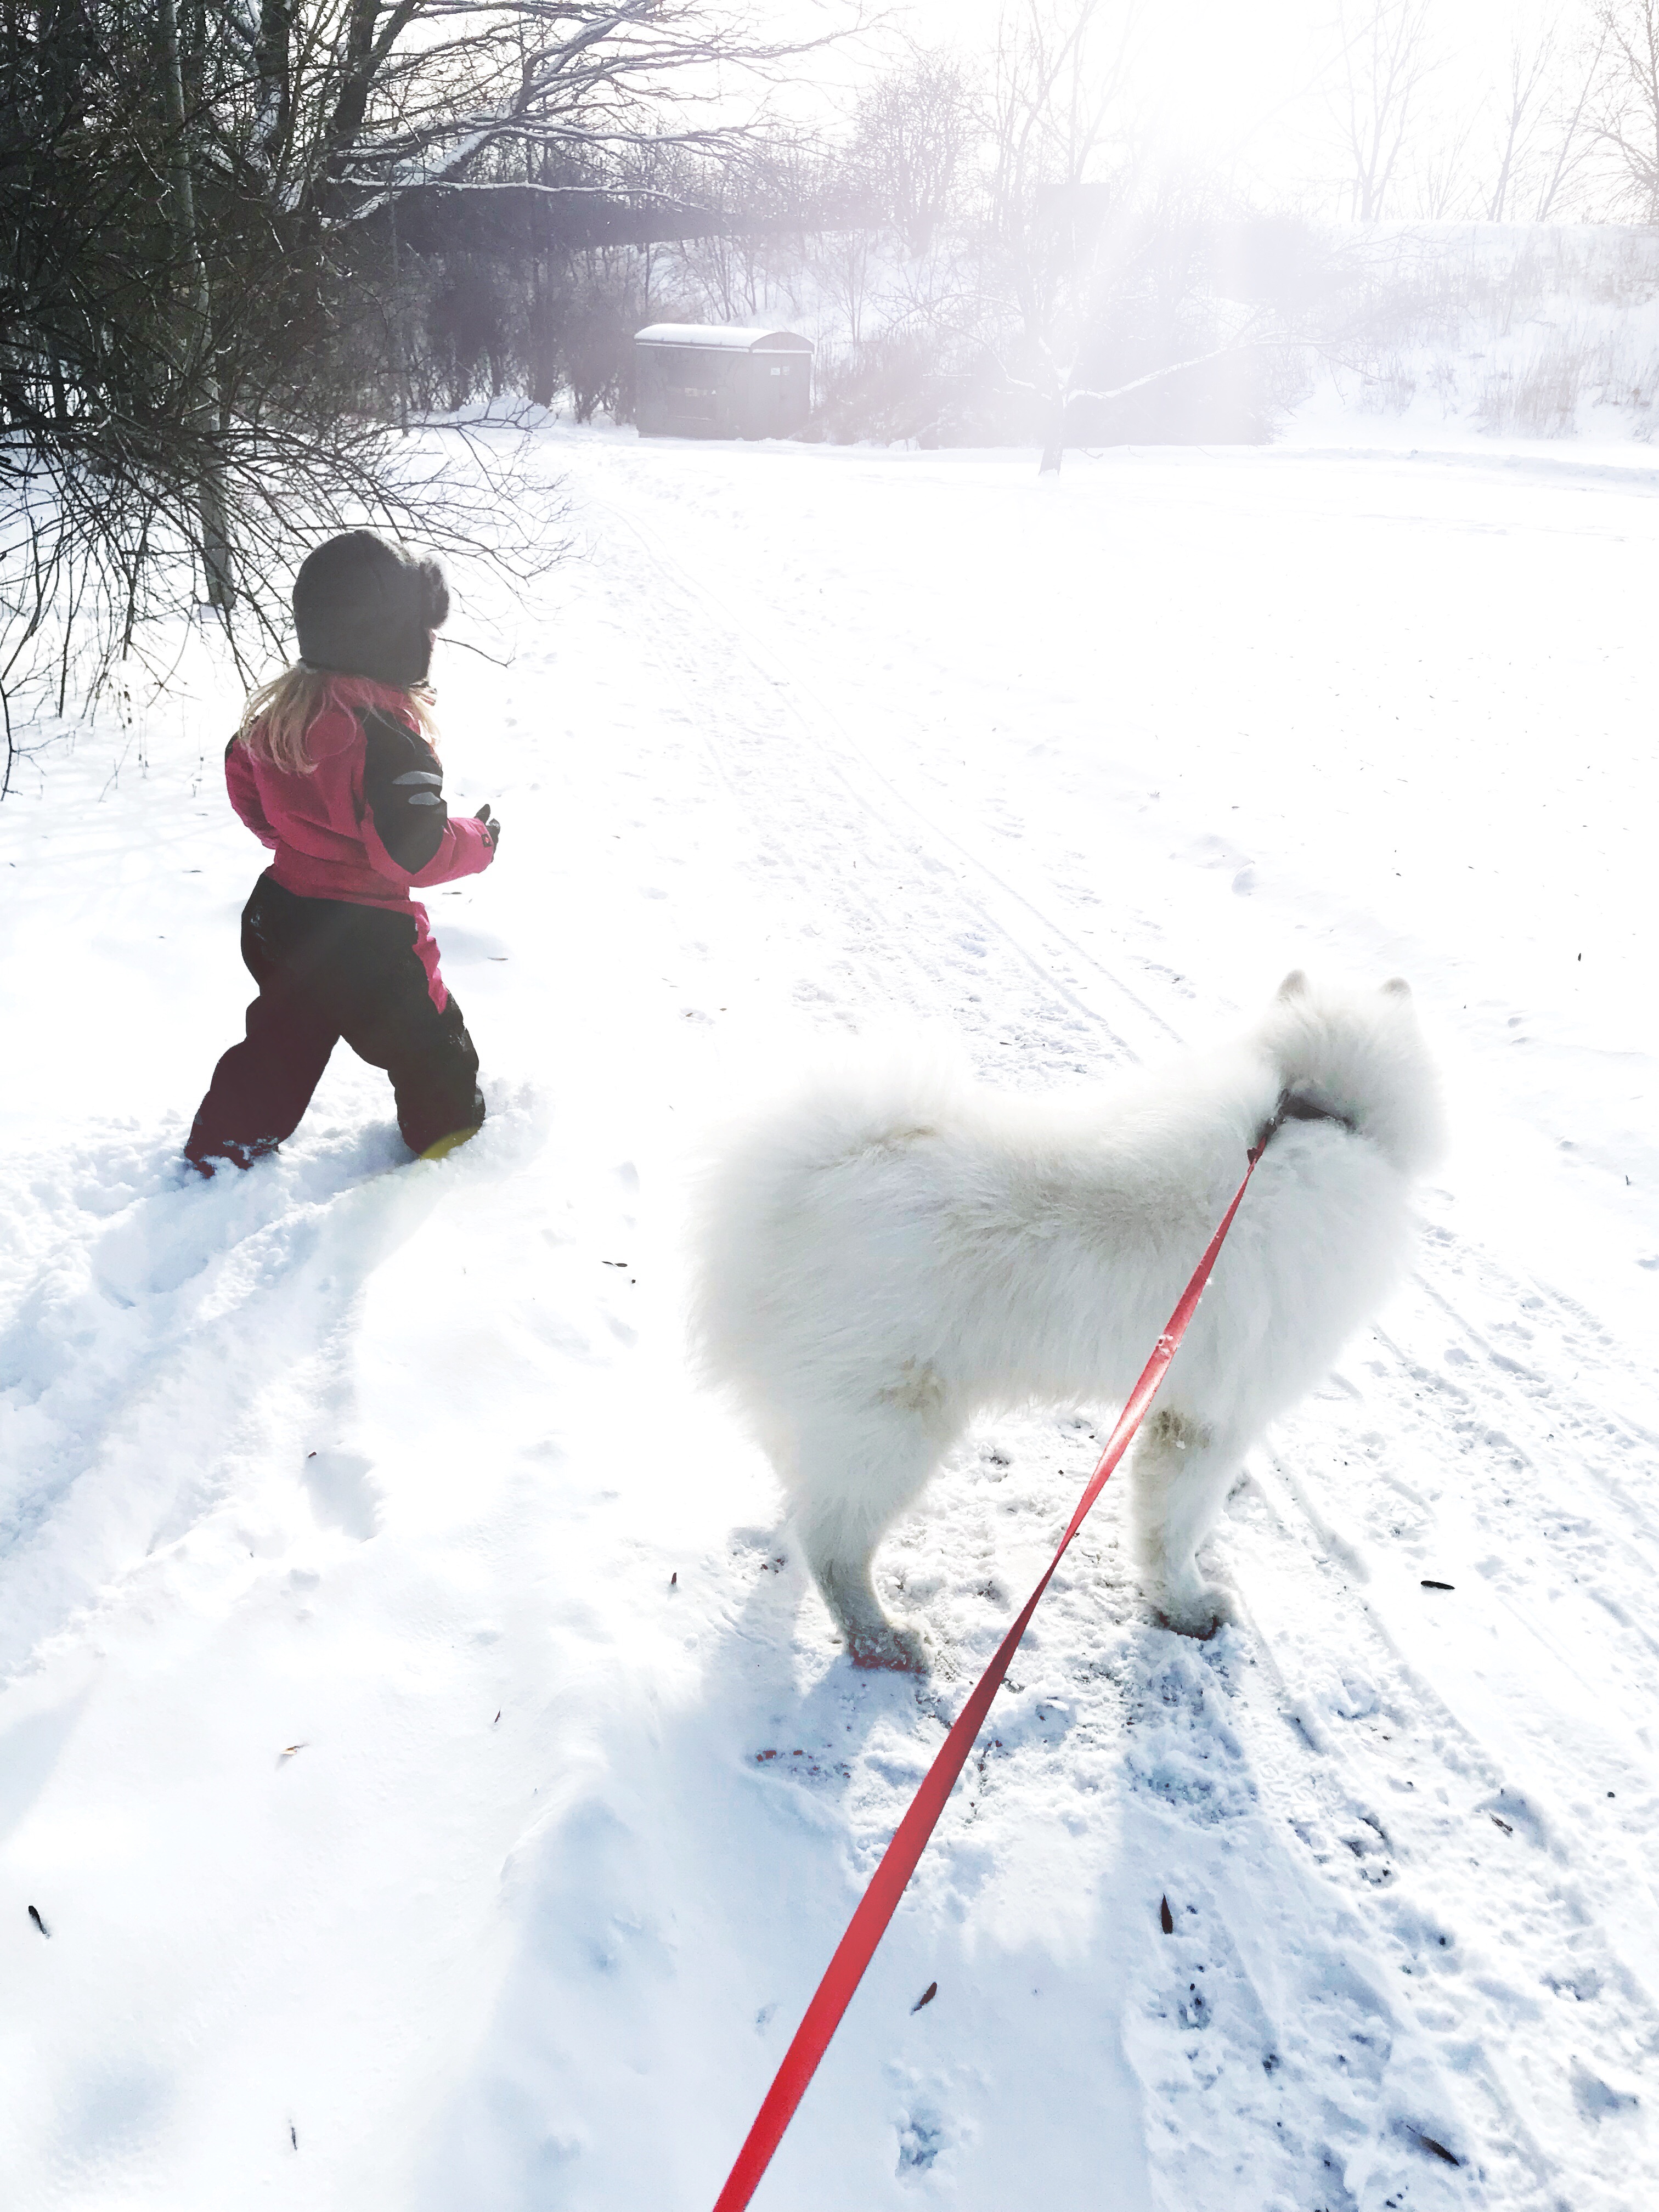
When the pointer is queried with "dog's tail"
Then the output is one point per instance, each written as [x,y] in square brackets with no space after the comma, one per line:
[763,1178]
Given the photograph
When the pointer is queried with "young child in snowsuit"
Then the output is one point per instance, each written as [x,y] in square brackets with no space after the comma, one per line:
[334,767]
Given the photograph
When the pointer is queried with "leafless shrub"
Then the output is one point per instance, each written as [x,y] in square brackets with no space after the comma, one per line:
[1387,386]
[1539,399]
[901,386]
[99,561]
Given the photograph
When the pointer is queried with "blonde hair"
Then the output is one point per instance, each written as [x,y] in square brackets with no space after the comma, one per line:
[278,716]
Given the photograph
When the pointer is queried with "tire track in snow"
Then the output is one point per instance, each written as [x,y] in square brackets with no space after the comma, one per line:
[865,784]
[1453,1787]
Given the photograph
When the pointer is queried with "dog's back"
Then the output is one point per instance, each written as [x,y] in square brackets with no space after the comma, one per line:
[897,1248]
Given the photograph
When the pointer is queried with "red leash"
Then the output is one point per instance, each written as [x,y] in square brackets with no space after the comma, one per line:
[887,1885]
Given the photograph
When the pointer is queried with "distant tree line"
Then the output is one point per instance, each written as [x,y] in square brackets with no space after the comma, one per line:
[981,239]
[1568,126]
[989,245]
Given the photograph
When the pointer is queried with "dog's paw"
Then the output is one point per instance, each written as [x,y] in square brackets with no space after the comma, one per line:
[903,1650]
[1197,1612]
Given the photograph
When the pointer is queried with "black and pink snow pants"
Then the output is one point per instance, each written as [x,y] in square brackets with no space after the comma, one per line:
[327,970]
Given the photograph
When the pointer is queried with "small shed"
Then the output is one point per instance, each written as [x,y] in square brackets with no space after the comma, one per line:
[721,380]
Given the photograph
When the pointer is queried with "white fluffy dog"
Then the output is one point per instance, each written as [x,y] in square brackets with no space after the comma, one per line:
[899,1249]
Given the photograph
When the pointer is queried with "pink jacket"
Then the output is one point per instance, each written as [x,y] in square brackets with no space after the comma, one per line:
[369,823]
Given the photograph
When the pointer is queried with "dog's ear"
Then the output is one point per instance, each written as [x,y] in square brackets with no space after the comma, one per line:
[1398,988]
[1294,985]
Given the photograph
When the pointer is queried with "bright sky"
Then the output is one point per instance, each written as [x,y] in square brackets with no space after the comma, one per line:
[1238,82]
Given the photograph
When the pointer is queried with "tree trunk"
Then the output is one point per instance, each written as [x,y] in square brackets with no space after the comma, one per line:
[194,339]
[1053,438]
[399,351]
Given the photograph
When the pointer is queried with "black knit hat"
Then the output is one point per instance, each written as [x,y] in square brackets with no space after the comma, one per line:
[362,608]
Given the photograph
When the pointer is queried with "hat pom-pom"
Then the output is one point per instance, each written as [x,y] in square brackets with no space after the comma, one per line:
[434,596]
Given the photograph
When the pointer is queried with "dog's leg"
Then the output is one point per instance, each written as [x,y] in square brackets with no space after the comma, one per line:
[1179,1475]
[873,1640]
[848,1483]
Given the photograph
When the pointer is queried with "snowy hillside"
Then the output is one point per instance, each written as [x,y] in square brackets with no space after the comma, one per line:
[438,1786]
[1527,330]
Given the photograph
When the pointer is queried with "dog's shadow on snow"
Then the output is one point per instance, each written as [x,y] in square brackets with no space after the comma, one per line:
[782,1665]
[695,1869]
[710,1846]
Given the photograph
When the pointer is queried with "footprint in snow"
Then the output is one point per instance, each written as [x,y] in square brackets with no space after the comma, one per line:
[1596,2099]
[343,1492]
[920,2140]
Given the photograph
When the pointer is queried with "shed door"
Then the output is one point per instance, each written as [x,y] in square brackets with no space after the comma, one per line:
[693,380]
[783,391]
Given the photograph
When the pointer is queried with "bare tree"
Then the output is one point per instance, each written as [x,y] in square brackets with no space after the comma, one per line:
[1060,79]
[756,198]
[1546,126]
[843,261]
[1095,283]
[1059,76]
[1547,132]
[388,95]
[1443,187]
[911,144]
[1524,92]
[1386,59]
[1572,139]
[1627,119]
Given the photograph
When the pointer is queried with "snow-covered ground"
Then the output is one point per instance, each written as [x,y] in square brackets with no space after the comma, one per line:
[439,1784]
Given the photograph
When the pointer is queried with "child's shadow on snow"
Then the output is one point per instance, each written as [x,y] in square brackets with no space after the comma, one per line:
[165,1304]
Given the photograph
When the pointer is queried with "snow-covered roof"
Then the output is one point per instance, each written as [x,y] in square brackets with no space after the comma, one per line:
[736,338]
